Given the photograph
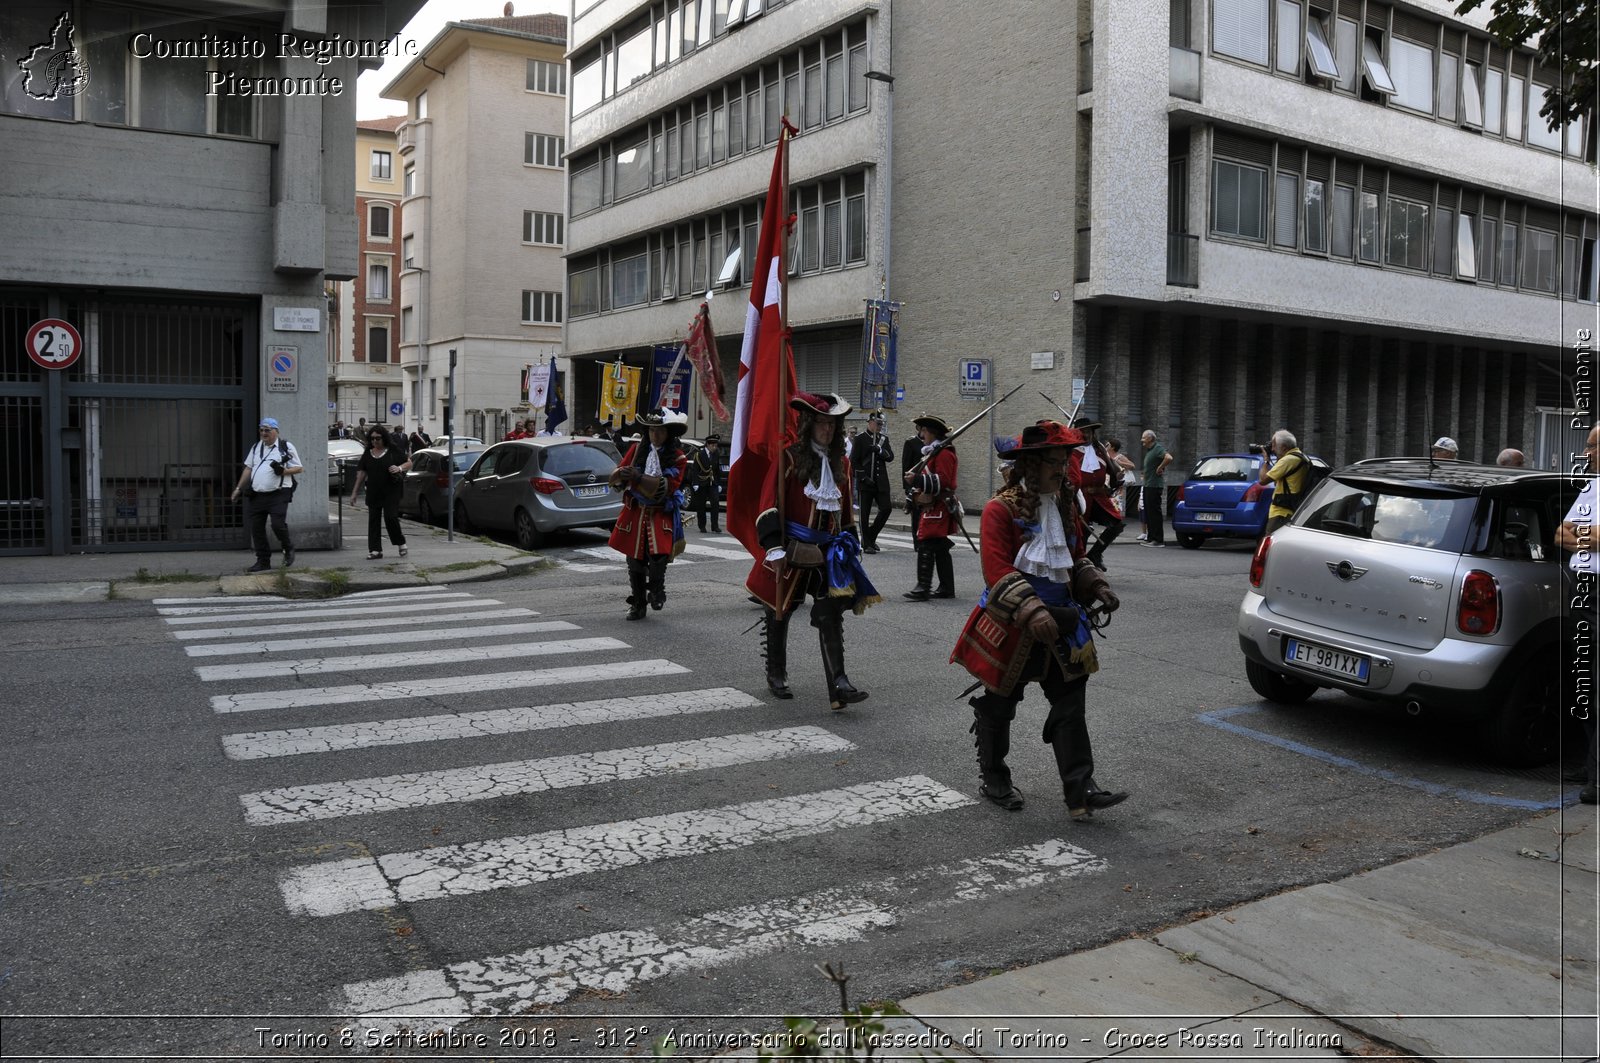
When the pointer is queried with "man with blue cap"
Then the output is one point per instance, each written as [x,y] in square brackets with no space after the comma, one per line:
[267,486]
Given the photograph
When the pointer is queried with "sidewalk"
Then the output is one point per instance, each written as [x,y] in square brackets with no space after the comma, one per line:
[1485,950]
[317,573]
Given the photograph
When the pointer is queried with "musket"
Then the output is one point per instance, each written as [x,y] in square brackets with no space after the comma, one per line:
[1073,416]
[1060,407]
[950,437]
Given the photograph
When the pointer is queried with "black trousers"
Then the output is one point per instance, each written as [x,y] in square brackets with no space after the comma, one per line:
[705,501]
[1066,728]
[259,507]
[873,493]
[383,510]
[1155,501]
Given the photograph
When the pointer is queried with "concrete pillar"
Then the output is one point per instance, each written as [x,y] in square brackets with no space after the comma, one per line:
[1335,444]
[1371,437]
[1275,405]
[1155,337]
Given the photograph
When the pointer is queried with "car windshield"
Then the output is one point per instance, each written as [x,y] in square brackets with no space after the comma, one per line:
[1391,515]
[1225,468]
[569,458]
[464,459]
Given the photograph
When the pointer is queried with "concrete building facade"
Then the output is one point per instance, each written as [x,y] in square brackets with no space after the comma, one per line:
[483,201]
[1344,218]
[187,237]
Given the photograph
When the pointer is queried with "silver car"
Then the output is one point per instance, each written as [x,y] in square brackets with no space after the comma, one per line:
[534,487]
[1432,585]
[424,491]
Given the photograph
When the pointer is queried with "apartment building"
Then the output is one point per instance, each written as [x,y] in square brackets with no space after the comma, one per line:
[364,377]
[481,155]
[1345,221]
[182,230]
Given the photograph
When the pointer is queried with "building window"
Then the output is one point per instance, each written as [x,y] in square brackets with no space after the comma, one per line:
[631,168]
[1319,54]
[1316,218]
[540,227]
[1369,227]
[382,166]
[584,287]
[1239,29]
[1540,135]
[378,222]
[1411,70]
[547,77]
[1344,220]
[541,308]
[585,191]
[630,279]
[540,149]
[1238,200]
[1288,37]
[408,252]
[1466,247]
[377,282]
[422,105]
[1408,234]
[1376,74]
[409,187]
[1286,209]
[408,325]
[1539,260]
[377,343]
[1508,255]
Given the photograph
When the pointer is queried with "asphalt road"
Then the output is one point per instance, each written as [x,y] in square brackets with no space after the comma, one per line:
[156,863]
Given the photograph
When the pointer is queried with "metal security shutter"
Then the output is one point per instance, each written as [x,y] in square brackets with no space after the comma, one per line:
[1418,30]
[1417,188]
[1230,145]
[829,363]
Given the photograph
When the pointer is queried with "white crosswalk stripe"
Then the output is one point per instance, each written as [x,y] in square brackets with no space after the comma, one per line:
[701,550]
[617,961]
[256,745]
[344,886]
[373,609]
[375,638]
[212,673]
[367,624]
[483,782]
[308,697]
[281,606]
[251,599]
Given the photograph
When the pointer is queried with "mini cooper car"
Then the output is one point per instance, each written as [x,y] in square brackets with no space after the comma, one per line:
[1434,585]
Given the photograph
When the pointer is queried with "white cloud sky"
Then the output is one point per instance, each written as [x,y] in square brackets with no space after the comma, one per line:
[429,20]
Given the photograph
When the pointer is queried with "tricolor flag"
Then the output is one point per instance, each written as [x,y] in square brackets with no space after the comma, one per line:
[762,421]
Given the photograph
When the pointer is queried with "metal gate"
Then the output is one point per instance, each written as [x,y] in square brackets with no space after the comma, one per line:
[137,444]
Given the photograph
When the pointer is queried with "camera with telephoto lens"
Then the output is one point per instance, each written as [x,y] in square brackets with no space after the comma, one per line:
[277,467]
[1256,448]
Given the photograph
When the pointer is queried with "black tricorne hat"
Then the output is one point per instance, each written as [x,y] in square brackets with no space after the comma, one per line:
[933,424]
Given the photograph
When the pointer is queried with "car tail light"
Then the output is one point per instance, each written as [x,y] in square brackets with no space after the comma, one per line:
[441,480]
[545,485]
[1258,563]
[1479,611]
[1180,493]
[1254,493]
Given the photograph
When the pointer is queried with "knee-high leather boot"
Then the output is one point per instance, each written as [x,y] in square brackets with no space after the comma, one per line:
[921,591]
[1108,535]
[947,571]
[993,739]
[826,618]
[658,581]
[636,588]
[775,648]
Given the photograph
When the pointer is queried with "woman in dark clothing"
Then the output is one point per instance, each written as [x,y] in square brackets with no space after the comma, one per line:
[382,468]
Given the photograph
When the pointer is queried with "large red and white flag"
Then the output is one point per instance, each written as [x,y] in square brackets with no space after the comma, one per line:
[761,415]
[701,350]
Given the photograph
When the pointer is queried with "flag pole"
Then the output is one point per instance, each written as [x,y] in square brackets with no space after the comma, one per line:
[785,355]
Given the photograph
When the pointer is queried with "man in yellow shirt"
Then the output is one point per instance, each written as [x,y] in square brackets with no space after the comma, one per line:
[1288,471]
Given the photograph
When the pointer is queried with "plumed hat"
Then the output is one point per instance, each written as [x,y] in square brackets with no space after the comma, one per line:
[1045,435]
[671,420]
[825,405]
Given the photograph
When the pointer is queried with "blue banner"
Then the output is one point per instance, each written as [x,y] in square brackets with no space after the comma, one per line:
[880,364]
[673,394]
[555,409]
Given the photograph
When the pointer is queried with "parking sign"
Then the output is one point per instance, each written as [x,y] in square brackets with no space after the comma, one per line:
[976,378]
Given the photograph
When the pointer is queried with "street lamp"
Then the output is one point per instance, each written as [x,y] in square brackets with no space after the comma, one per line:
[888,171]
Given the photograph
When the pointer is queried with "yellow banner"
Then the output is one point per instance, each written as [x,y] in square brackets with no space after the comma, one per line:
[619,394]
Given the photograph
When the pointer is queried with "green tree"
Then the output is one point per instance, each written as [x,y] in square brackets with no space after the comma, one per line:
[1568,41]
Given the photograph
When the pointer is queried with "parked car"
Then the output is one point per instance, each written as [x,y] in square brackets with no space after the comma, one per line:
[342,453]
[534,487]
[1429,585]
[443,442]
[1224,498]
[424,491]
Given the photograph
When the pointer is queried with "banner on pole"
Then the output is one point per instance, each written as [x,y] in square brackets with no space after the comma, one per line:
[619,394]
[880,363]
[670,394]
[538,385]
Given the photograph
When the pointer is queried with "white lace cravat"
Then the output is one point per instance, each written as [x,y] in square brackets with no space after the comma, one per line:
[1091,460]
[1047,553]
[825,493]
[652,463]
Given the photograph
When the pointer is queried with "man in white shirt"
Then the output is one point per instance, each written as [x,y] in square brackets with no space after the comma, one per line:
[269,471]
[1577,537]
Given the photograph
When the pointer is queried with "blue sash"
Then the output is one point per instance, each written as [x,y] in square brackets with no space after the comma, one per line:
[673,504]
[841,555]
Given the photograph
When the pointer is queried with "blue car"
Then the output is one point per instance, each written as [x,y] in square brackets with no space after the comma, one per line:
[1222,498]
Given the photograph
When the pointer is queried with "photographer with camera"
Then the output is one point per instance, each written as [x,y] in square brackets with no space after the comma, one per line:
[267,486]
[1286,467]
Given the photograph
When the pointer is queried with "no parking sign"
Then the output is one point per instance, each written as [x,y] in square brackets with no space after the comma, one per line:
[283,368]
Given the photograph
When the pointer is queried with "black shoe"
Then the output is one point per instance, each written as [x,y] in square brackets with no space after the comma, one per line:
[779,686]
[1105,798]
[1009,799]
[1589,795]
[870,548]
[260,566]
[636,611]
[917,594]
[288,556]
[943,594]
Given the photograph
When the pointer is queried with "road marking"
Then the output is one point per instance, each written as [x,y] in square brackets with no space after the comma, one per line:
[571,567]
[483,782]
[211,673]
[257,745]
[506,863]
[377,638]
[290,605]
[345,625]
[617,961]
[604,553]
[247,598]
[306,697]
[377,609]
[710,551]
[1219,719]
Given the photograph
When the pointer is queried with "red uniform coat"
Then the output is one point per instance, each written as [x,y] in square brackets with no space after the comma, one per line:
[802,510]
[937,482]
[645,529]
[1096,486]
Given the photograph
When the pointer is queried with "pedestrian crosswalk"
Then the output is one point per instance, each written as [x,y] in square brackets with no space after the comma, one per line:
[257,654]
[698,548]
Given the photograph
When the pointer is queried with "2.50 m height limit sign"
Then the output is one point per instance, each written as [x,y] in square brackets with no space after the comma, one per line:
[53,343]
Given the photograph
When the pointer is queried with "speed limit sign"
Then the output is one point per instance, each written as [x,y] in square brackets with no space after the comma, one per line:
[53,343]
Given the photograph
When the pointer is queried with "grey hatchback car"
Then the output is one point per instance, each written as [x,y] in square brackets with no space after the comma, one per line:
[534,487]
[424,491]
[1432,585]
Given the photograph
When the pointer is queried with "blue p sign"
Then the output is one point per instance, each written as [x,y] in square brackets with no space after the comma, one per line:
[974,370]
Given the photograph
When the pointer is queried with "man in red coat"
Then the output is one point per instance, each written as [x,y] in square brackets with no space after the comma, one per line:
[811,548]
[1093,473]
[1032,623]
[650,531]
[933,496]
